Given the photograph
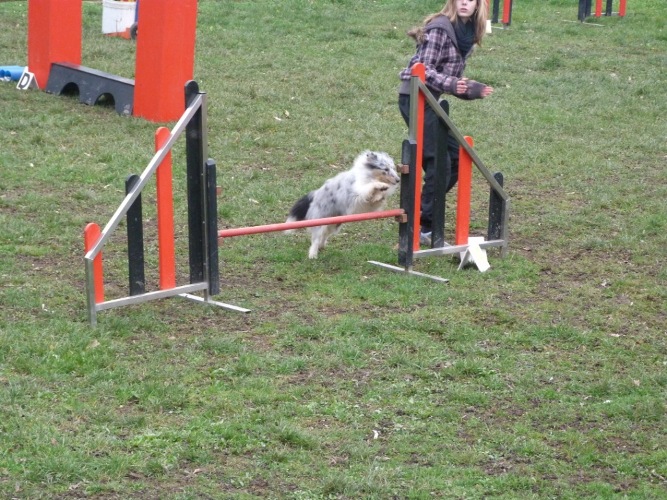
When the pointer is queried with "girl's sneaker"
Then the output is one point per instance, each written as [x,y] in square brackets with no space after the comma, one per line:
[425,238]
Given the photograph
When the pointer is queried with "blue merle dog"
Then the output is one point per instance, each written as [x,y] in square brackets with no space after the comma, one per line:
[363,188]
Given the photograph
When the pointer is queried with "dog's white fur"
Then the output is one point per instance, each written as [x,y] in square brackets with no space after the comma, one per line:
[363,188]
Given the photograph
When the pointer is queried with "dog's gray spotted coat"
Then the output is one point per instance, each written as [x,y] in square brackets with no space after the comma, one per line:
[363,188]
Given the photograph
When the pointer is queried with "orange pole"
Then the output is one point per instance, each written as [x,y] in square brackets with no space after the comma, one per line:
[507,9]
[54,35]
[598,8]
[91,234]
[463,195]
[300,224]
[621,8]
[418,70]
[165,58]
[165,214]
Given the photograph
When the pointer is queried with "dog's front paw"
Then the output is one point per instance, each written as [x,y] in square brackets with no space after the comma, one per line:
[379,193]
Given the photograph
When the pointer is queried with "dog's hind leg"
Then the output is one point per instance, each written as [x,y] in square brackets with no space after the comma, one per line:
[318,238]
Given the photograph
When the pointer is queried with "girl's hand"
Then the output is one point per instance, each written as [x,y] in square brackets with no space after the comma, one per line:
[472,89]
[462,86]
[487,91]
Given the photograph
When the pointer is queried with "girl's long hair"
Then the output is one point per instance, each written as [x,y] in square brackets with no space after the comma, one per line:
[479,17]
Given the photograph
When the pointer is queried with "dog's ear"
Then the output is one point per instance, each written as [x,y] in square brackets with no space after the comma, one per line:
[371,157]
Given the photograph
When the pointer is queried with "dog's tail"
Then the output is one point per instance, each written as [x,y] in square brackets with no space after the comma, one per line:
[300,210]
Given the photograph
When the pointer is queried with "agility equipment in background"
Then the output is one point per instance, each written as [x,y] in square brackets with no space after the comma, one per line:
[11,73]
[507,12]
[54,35]
[164,58]
[27,80]
[91,85]
[118,17]
[585,9]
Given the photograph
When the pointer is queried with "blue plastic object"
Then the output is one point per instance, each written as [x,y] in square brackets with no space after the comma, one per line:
[11,72]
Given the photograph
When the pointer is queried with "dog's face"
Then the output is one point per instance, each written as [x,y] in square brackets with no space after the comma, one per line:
[381,168]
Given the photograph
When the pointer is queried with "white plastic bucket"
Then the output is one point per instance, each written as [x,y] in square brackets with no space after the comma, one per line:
[117,16]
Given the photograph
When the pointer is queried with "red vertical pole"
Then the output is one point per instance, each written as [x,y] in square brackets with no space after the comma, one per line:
[165,215]
[91,234]
[54,35]
[165,57]
[420,71]
[507,12]
[598,8]
[463,195]
[621,8]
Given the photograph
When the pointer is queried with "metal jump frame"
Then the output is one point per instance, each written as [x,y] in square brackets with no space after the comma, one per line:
[499,204]
[202,219]
[202,208]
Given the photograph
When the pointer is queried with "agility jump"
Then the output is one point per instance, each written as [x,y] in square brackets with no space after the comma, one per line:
[203,233]
[497,235]
[585,9]
[164,57]
[507,12]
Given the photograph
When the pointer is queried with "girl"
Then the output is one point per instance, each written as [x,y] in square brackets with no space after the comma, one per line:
[444,43]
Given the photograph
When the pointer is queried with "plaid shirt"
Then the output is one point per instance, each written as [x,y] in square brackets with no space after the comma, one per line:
[444,64]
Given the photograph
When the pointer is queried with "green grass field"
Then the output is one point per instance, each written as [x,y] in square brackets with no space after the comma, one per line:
[545,377]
